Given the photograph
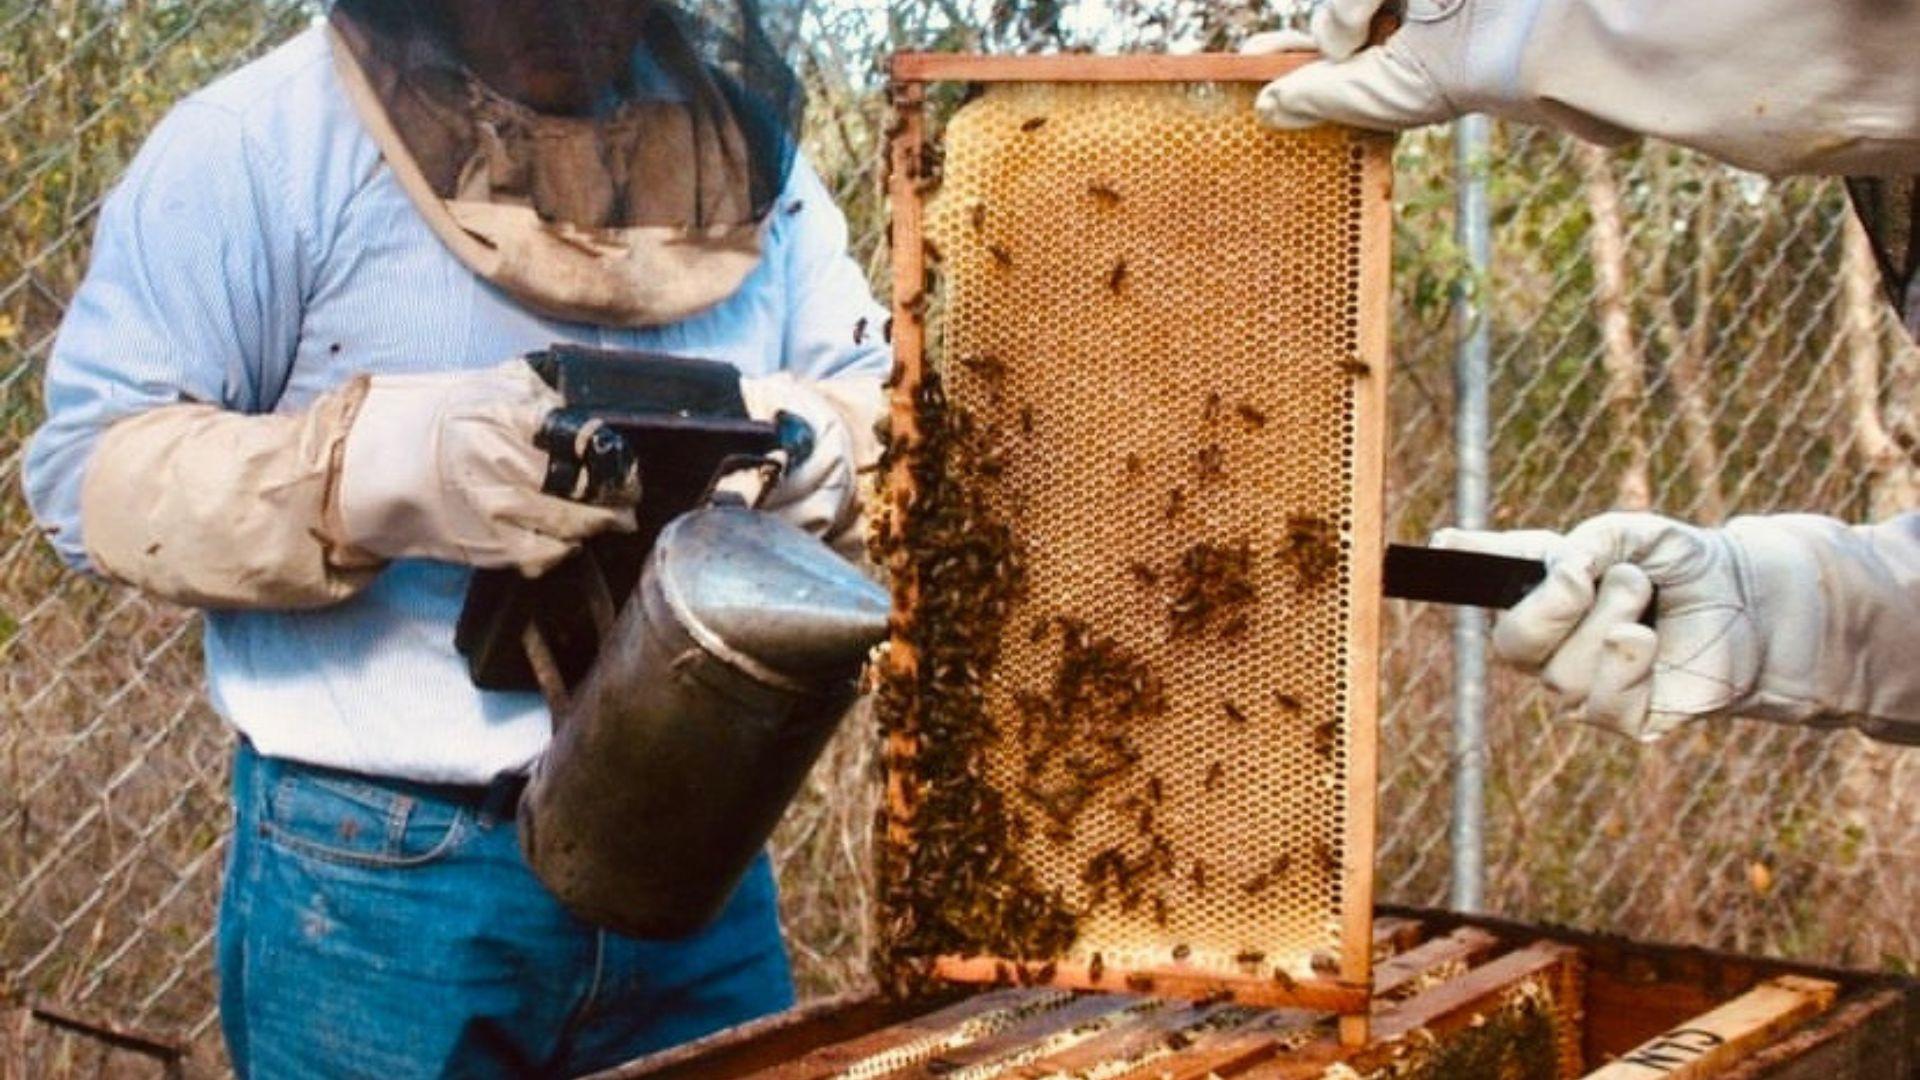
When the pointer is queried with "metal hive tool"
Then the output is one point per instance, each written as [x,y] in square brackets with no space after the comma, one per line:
[1133,524]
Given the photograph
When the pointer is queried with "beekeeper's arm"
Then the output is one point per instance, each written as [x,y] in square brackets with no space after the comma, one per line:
[835,356]
[161,462]
[1779,86]
[1792,618]
[1788,617]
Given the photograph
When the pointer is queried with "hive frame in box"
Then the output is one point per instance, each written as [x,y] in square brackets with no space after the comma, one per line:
[1347,991]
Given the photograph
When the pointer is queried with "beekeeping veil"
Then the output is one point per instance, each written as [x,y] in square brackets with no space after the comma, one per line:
[1889,208]
[632,197]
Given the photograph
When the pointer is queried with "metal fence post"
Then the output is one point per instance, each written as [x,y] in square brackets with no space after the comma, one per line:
[1470,378]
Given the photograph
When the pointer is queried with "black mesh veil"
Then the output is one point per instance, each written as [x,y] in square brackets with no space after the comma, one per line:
[695,98]
[1889,208]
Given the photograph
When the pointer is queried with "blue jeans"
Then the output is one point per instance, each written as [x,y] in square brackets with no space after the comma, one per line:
[378,928]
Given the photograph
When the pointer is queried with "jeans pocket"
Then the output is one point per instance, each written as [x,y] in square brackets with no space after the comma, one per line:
[356,823]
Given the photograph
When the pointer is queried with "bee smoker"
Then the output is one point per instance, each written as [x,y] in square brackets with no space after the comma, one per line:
[716,687]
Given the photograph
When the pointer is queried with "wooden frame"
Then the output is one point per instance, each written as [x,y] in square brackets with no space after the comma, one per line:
[909,68]
[1348,993]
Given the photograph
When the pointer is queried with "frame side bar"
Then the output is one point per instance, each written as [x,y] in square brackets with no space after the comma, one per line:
[1374,260]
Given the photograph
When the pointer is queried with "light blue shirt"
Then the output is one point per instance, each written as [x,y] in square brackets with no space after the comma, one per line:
[257,253]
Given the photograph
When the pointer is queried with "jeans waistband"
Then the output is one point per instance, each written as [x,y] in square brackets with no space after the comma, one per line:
[498,798]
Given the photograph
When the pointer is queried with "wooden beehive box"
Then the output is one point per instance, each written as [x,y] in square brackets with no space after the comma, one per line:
[1459,998]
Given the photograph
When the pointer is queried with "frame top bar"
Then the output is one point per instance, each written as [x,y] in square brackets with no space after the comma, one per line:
[920,67]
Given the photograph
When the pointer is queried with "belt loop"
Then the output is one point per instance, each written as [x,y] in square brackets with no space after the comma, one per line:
[502,800]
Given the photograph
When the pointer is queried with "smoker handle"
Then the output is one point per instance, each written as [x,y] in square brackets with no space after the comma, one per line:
[1469,578]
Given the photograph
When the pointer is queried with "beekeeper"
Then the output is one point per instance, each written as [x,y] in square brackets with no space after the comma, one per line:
[1788,617]
[286,393]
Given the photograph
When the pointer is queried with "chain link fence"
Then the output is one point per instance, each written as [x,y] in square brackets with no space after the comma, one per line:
[1667,334]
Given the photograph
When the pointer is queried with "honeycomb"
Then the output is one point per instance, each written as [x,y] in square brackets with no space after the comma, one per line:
[1144,317]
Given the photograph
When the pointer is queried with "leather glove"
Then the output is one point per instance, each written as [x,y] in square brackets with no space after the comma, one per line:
[1791,618]
[443,466]
[820,492]
[1773,85]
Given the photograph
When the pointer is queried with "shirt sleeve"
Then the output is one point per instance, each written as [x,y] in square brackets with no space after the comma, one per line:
[835,327]
[193,293]
[1776,86]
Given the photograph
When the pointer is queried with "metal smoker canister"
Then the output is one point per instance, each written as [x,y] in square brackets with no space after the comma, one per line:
[717,687]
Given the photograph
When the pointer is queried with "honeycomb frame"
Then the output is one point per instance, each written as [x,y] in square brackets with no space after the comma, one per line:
[1019,939]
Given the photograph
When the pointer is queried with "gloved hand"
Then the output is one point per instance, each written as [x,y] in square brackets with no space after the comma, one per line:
[443,466]
[1773,85]
[1793,618]
[1448,58]
[821,492]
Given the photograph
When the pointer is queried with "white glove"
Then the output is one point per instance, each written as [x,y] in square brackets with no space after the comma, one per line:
[443,466]
[1773,85]
[1791,618]
[821,493]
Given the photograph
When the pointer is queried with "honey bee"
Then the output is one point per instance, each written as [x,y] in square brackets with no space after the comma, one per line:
[1210,462]
[1000,254]
[1104,193]
[886,331]
[1176,502]
[860,330]
[1181,952]
[1285,981]
[1117,276]
[1325,963]
[1249,957]
[1140,984]
[1026,420]
[1286,701]
[1325,735]
[1211,410]
[1134,465]
[1198,876]
[1216,772]
[977,216]
[796,206]
[1033,124]
[1096,969]
[928,174]
[1234,714]
[990,368]
[1356,368]
[1250,415]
